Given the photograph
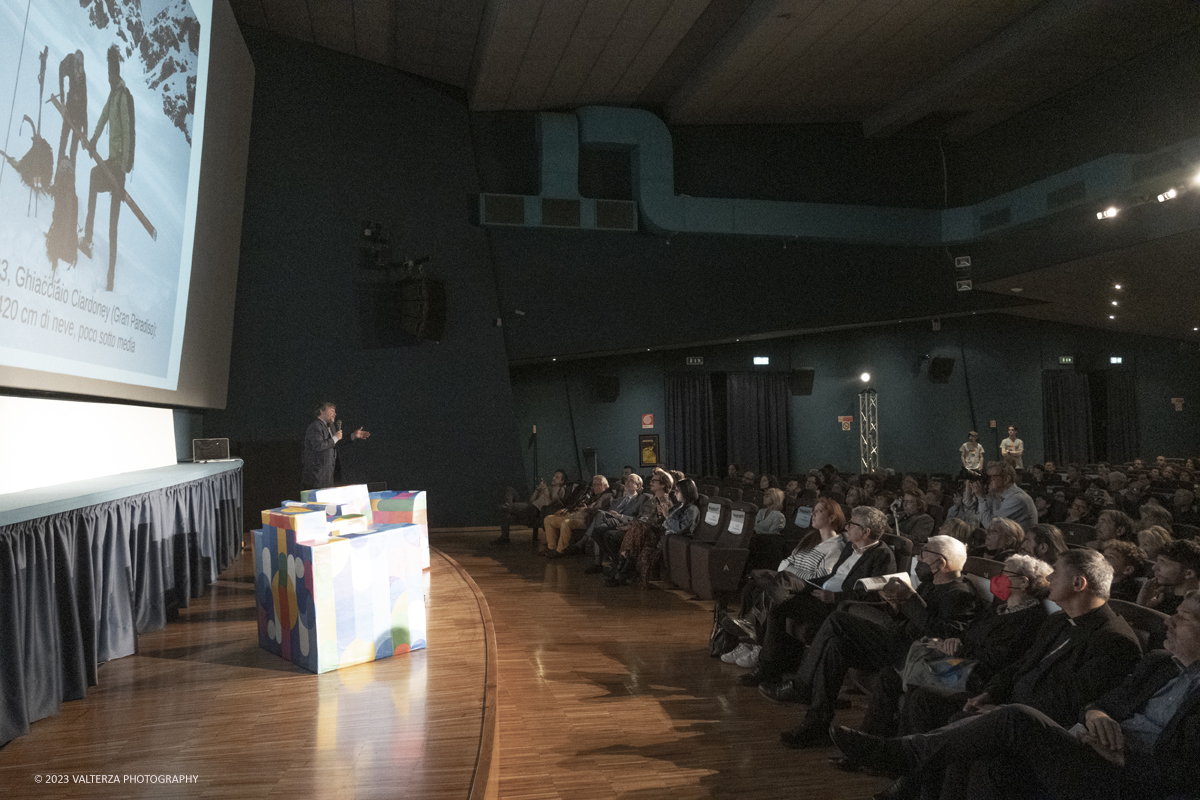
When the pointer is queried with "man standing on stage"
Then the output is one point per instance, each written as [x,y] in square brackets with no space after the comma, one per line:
[320,448]
[118,115]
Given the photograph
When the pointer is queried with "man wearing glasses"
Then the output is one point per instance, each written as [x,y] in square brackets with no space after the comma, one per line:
[942,607]
[1003,498]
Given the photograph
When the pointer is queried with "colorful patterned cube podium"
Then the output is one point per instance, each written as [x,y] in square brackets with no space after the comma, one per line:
[334,586]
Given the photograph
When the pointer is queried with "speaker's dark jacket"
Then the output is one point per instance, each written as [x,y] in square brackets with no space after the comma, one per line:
[320,456]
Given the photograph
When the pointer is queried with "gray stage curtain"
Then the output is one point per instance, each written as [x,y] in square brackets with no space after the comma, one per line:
[1067,416]
[77,587]
[691,434]
[758,409]
[1122,417]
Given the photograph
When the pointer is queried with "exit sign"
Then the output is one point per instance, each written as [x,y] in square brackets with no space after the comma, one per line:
[1066,359]
[695,361]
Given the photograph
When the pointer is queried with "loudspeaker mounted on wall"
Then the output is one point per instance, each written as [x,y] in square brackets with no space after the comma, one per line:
[940,369]
[800,381]
[606,388]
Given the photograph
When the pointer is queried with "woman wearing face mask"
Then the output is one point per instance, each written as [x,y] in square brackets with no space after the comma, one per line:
[994,639]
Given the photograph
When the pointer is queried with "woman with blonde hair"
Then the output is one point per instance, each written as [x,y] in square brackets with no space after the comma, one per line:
[1004,538]
[1151,539]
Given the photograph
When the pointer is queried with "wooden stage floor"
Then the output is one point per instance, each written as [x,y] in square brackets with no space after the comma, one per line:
[200,698]
[602,693]
[611,693]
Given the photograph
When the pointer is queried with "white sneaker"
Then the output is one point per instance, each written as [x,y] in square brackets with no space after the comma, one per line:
[750,659]
[738,652]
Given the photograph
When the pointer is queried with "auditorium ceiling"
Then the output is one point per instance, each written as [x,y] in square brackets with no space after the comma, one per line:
[948,68]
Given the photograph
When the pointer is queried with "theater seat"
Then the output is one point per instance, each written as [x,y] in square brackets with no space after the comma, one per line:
[676,563]
[1149,625]
[716,569]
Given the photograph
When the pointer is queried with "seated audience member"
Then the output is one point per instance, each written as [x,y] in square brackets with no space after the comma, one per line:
[883,501]
[560,524]
[639,544]
[1183,507]
[1003,498]
[1152,540]
[1112,525]
[676,475]
[1037,475]
[530,513]
[791,498]
[770,520]
[994,640]
[912,518]
[1136,741]
[748,480]
[815,554]
[870,485]
[864,556]
[1050,468]
[1044,542]
[855,497]
[1129,565]
[813,483]
[1152,513]
[607,528]
[909,483]
[733,471]
[956,529]
[1004,538]
[1074,476]
[767,482]
[1080,511]
[942,606]
[1176,573]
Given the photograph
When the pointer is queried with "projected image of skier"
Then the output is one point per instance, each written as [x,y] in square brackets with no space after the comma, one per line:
[97,184]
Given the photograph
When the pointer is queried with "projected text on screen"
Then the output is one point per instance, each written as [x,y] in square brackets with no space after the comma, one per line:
[99,169]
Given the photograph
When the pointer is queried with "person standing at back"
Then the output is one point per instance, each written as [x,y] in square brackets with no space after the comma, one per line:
[971,456]
[1012,448]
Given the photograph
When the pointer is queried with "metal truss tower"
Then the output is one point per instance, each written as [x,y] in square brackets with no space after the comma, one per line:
[868,430]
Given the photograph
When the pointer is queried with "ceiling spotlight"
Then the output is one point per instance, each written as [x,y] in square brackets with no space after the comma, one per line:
[866,376]
[1169,194]
[1114,302]
[1196,329]
[1196,179]
[1017,289]
[1116,286]
[1107,213]
[1110,316]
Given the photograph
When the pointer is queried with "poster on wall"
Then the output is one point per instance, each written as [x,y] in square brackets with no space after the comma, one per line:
[99,164]
[648,454]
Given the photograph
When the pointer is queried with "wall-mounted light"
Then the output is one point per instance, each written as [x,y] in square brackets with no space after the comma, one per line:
[762,361]
[1169,194]
[1114,359]
[865,377]
[1108,213]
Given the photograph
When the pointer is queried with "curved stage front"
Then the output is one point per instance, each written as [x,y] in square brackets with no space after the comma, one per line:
[201,704]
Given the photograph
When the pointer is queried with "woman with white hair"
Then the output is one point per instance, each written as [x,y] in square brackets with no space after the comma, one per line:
[993,640]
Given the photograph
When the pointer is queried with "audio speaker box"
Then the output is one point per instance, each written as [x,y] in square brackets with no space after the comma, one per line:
[940,369]
[800,381]
[606,388]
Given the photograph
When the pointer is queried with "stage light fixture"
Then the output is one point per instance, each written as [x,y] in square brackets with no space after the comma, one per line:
[1169,194]
[1108,213]
[1110,316]
[1116,286]
[866,376]
[1114,302]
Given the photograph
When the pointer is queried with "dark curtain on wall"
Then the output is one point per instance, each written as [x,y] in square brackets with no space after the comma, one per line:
[691,429]
[1122,417]
[758,414]
[77,587]
[1067,416]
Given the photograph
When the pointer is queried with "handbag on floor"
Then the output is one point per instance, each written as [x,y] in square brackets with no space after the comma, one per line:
[720,641]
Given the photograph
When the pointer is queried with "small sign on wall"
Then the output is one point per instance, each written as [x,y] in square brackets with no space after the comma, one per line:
[846,422]
[1178,403]
[647,420]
